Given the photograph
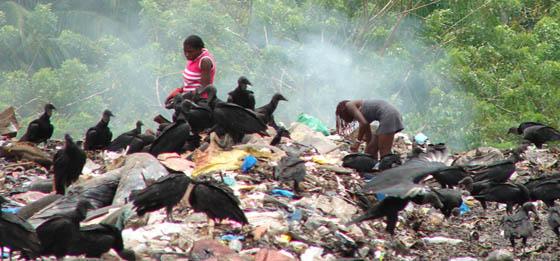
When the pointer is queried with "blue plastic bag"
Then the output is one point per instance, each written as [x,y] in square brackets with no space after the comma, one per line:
[380,196]
[13,210]
[297,215]
[282,193]
[464,208]
[231,237]
[229,181]
[248,163]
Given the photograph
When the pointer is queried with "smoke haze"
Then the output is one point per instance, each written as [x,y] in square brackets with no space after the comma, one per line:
[314,68]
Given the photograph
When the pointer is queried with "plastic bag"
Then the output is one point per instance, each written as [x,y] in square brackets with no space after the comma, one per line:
[313,123]
[464,208]
[282,193]
[248,163]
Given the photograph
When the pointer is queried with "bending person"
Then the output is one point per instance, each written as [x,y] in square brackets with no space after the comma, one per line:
[366,112]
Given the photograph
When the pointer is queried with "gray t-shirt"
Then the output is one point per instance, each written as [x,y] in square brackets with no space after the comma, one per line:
[390,119]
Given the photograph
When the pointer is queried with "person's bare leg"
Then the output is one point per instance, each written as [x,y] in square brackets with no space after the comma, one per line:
[372,147]
[385,143]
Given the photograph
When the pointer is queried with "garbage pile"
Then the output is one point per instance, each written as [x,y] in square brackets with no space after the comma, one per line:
[287,221]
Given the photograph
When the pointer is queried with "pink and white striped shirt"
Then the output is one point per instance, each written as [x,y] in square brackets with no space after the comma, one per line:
[192,73]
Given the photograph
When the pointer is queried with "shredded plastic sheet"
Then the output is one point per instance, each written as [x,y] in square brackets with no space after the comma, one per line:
[213,159]
[225,160]
[320,159]
[176,162]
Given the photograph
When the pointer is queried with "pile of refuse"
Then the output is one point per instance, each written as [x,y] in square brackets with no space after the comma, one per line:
[283,224]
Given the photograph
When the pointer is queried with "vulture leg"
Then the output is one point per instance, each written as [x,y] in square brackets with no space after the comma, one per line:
[297,189]
[169,211]
[272,122]
[391,223]
[483,204]
[211,226]
[509,208]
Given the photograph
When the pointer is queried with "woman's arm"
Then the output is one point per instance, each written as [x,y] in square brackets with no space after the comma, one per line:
[364,130]
[353,109]
[206,68]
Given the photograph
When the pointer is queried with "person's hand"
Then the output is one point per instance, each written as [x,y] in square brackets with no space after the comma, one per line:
[169,103]
[171,96]
[355,147]
[367,134]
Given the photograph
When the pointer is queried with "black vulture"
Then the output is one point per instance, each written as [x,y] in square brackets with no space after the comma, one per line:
[173,138]
[534,182]
[241,96]
[18,235]
[451,177]
[547,190]
[474,188]
[389,161]
[233,119]
[390,207]
[41,129]
[536,133]
[522,126]
[506,193]
[99,136]
[519,224]
[68,164]
[58,232]
[280,132]
[177,101]
[141,141]
[554,220]
[401,185]
[165,192]
[399,181]
[198,115]
[290,168]
[361,162]
[497,171]
[451,201]
[94,240]
[162,124]
[124,140]
[217,201]
[206,195]
[266,112]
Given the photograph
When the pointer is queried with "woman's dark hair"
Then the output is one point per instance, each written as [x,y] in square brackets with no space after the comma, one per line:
[343,118]
[193,41]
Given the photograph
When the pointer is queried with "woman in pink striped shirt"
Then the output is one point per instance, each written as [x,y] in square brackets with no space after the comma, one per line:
[200,68]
